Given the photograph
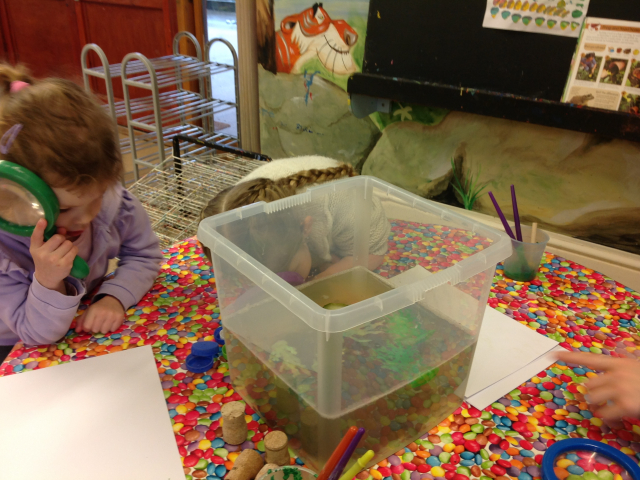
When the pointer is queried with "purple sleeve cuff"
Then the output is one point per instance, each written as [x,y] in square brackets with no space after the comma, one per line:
[48,314]
[53,300]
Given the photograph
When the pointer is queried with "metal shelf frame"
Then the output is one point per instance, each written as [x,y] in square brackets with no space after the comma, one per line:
[169,109]
[174,193]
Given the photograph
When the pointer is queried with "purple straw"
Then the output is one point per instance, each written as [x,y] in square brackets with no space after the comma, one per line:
[516,214]
[506,226]
[337,472]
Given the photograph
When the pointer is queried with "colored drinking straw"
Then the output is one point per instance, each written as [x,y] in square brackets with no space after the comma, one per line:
[516,214]
[534,232]
[358,466]
[337,453]
[337,472]
[505,224]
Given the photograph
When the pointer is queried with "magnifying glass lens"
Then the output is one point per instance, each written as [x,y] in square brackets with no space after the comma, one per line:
[18,205]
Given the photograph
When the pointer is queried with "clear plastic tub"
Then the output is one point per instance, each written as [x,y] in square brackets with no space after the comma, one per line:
[396,359]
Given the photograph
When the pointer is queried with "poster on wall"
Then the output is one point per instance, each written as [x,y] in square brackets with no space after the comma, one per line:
[552,17]
[605,71]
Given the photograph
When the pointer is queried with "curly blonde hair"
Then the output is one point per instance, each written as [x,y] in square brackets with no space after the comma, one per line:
[266,190]
[67,138]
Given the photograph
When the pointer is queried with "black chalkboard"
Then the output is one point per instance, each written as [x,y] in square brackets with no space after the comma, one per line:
[443,42]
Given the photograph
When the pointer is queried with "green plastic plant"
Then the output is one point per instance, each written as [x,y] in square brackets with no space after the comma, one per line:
[468,190]
[286,357]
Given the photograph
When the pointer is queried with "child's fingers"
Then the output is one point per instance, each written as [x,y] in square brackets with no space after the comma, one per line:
[611,410]
[62,252]
[595,362]
[109,323]
[37,237]
[102,324]
[115,324]
[602,392]
[70,255]
[80,323]
[566,356]
[88,320]
[112,326]
[53,243]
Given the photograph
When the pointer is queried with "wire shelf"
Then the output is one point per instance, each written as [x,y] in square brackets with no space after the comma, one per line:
[169,71]
[187,108]
[175,195]
[137,69]
[147,143]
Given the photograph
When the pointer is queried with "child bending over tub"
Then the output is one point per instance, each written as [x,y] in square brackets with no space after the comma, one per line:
[321,239]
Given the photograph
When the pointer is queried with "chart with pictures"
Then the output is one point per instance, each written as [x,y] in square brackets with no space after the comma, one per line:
[605,72]
[563,17]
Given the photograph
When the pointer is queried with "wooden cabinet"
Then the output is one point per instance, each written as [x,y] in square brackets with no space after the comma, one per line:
[43,35]
[47,35]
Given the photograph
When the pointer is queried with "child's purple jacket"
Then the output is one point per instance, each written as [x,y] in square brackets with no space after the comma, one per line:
[37,315]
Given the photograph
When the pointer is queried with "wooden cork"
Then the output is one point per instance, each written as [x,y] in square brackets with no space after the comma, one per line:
[246,466]
[234,426]
[277,448]
[265,470]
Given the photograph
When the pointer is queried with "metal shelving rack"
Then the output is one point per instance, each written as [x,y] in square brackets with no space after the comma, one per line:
[169,109]
[174,193]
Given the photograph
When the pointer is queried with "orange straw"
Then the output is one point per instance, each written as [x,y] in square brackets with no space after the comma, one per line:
[337,453]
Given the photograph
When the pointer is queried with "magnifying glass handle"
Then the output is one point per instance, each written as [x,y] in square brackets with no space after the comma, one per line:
[80,268]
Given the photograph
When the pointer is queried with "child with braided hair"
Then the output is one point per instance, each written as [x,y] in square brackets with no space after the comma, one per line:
[321,240]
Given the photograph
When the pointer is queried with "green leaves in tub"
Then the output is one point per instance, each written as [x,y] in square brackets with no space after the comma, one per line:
[287,356]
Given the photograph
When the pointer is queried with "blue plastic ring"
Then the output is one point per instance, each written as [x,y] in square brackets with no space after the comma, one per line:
[216,335]
[571,444]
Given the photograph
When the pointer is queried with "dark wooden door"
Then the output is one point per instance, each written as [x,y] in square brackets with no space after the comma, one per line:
[123,26]
[48,35]
[43,35]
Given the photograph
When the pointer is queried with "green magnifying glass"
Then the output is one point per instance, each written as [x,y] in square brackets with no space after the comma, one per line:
[24,199]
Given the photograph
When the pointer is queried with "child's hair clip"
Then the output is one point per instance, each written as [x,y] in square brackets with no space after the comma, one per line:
[9,137]
[18,85]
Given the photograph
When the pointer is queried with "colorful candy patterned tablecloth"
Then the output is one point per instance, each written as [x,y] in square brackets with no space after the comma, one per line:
[567,302]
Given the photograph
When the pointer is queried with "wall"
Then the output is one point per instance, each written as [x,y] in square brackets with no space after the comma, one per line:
[575,184]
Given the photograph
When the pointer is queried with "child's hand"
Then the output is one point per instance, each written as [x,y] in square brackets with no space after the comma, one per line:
[619,385]
[53,259]
[104,316]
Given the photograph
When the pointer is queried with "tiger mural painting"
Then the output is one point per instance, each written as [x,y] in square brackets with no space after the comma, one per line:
[313,33]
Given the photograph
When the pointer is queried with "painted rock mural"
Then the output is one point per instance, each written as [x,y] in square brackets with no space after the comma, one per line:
[298,120]
[572,183]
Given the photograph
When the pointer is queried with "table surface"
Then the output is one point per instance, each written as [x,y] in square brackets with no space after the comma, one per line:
[567,302]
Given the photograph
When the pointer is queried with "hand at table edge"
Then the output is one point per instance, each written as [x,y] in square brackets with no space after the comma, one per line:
[104,316]
[614,393]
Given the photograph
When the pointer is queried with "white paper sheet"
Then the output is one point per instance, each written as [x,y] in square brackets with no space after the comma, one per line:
[504,348]
[102,418]
[486,397]
[552,17]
